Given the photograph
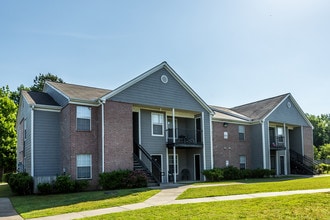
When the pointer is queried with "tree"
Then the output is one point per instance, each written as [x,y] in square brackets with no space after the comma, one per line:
[8,110]
[321,132]
[15,95]
[39,81]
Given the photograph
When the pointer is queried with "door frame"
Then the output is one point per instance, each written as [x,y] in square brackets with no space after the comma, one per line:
[161,165]
[195,171]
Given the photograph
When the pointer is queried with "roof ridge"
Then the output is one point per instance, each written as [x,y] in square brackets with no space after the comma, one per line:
[262,100]
[77,85]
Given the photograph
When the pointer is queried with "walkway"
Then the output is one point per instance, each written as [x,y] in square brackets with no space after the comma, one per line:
[166,196]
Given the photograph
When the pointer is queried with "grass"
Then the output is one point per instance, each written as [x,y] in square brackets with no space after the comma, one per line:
[307,206]
[40,206]
[284,185]
[5,190]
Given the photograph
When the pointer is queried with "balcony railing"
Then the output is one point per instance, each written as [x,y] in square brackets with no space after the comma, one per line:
[278,143]
[184,137]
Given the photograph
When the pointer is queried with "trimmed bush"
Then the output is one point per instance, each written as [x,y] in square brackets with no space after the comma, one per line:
[123,179]
[215,174]
[21,183]
[63,184]
[5,177]
[231,173]
[45,188]
[80,185]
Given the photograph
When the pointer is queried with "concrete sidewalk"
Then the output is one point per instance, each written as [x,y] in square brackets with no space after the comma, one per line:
[167,196]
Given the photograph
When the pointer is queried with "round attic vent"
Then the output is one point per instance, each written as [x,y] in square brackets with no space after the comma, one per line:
[164,78]
[288,104]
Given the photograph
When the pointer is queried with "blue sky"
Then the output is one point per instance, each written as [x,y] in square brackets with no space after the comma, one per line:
[230,52]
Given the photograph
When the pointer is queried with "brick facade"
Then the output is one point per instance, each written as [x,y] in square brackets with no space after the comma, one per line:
[232,148]
[308,141]
[118,133]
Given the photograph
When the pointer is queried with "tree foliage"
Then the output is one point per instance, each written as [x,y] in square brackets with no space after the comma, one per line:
[39,81]
[8,110]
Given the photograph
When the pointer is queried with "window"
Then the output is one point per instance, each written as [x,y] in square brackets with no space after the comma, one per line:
[171,163]
[170,128]
[84,166]
[157,121]
[242,162]
[241,132]
[83,118]
[225,135]
[280,134]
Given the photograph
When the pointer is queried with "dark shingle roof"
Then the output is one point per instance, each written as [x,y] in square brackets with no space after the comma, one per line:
[78,92]
[259,109]
[41,98]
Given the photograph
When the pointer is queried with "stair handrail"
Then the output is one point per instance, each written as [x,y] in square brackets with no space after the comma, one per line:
[307,162]
[153,163]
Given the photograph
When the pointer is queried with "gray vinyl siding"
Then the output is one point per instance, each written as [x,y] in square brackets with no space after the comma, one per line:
[256,146]
[283,114]
[46,143]
[60,99]
[152,92]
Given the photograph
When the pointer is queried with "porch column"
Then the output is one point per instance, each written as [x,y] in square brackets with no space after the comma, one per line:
[285,151]
[174,150]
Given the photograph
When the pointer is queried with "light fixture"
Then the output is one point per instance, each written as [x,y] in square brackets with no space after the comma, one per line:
[225,124]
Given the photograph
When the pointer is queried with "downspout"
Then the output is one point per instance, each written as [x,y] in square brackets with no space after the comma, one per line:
[174,148]
[32,141]
[203,132]
[211,139]
[263,143]
[102,133]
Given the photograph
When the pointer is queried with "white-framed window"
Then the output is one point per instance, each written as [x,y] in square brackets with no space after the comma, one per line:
[170,128]
[171,163]
[157,124]
[84,115]
[241,132]
[242,162]
[280,134]
[84,166]
[225,135]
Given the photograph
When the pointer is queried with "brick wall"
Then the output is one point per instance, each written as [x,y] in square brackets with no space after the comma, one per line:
[308,141]
[79,142]
[230,149]
[118,132]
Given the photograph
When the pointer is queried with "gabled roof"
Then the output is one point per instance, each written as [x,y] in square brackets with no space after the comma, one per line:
[41,98]
[260,109]
[162,65]
[38,98]
[78,93]
[225,114]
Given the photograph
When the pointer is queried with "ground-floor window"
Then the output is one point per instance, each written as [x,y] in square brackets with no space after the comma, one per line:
[171,163]
[84,166]
[242,162]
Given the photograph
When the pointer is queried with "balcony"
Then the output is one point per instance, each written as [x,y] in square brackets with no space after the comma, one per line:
[184,138]
[278,143]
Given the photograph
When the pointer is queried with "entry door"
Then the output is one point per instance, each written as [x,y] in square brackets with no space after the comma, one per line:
[282,165]
[197,164]
[198,130]
[136,132]
[158,160]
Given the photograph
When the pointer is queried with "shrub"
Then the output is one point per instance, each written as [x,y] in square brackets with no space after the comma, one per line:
[21,183]
[45,188]
[80,185]
[231,173]
[63,184]
[323,168]
[136,179]
[5,177]
[121,179]
[215,174]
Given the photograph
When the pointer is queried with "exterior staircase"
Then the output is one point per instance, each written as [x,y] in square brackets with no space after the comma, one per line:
[138,165]
[301,164]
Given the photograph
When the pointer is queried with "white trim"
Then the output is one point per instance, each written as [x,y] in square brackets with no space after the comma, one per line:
[152,124]
[302,141]
[38,108]
[263,143]
[211,139]
[91,167]
[286,146]
[166,152]
[102,131]
[32,142]
[203,136]
[58,91]
[174,148]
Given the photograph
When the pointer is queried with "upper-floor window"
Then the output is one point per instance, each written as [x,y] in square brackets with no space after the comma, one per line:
[157,124]
[83,118]
[241,132]
[170,128]
[280,134]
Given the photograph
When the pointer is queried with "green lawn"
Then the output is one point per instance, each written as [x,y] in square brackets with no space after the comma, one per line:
[309,206]
[284,185]
[38,206]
